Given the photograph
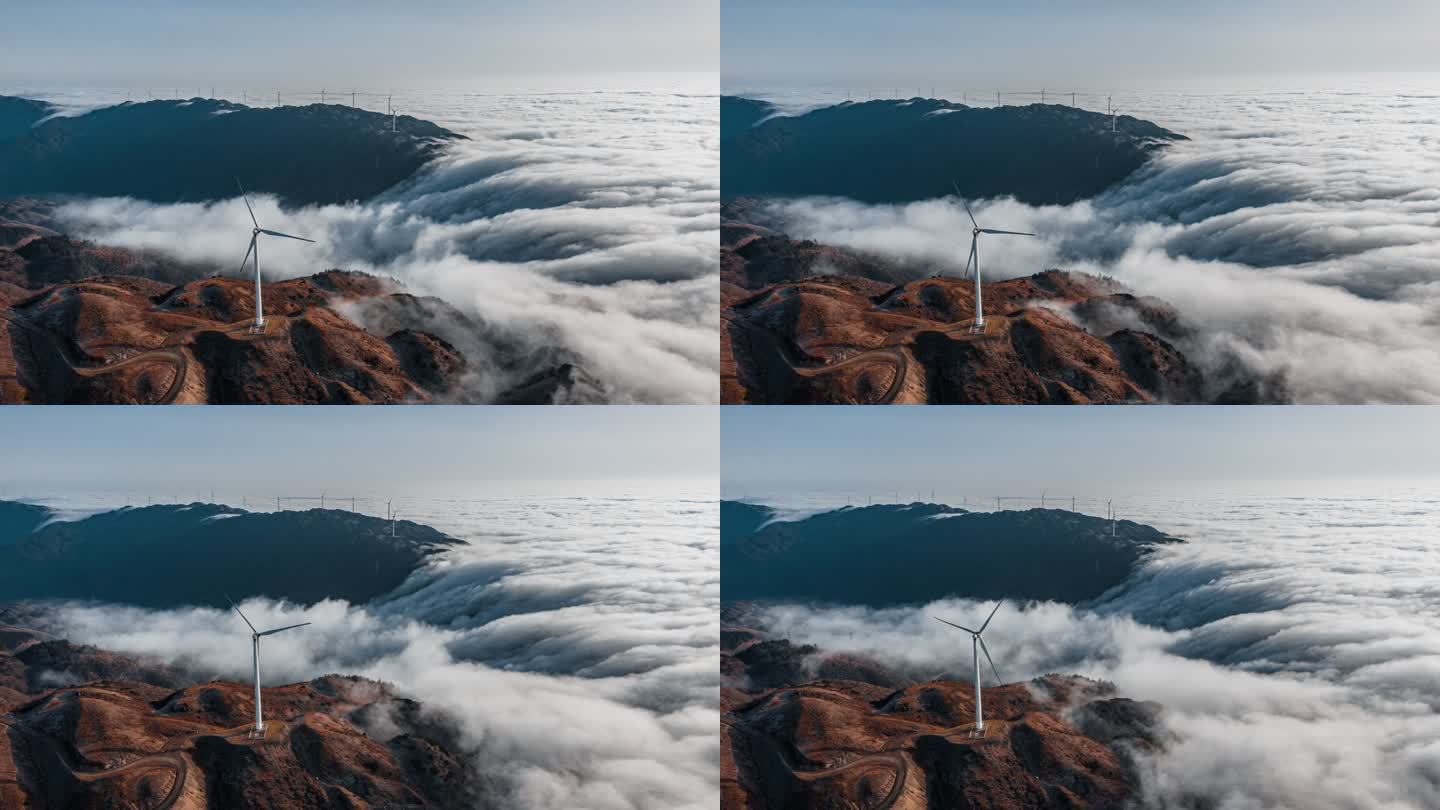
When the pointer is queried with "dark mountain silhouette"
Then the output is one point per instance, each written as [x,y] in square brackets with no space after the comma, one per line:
[902,151]
[18,519]
[17,115]
[739,114]
[177,151]
[914,553]
[168,556]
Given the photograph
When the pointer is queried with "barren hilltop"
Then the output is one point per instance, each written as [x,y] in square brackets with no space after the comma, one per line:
[804,727]
[92,324]
[87,728]
[808,323]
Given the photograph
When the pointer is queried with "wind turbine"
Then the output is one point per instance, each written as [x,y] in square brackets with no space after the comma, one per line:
[258,730]
[978,327]
[258,326]
[977,644]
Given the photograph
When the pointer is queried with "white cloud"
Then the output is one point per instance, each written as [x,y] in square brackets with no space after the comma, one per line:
[1297,232]
[573,640]
[584,223]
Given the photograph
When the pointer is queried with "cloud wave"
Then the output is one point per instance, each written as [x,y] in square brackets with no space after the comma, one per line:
[576,225]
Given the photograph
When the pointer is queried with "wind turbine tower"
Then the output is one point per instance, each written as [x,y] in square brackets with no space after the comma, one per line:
[977,644]
[258,326]
[978,326]
[258,730]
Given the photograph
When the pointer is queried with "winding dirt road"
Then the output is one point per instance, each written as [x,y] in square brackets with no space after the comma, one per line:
[173,354]
[892,353]
[892,761]
[170,761]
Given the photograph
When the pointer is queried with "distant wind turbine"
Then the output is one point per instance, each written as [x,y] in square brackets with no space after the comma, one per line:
[258,730]
[258,326]
[977,644]
[978,327]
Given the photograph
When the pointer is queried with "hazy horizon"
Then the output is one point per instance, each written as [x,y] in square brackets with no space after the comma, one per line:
[925,42]
[402,450]
[366,44]
[775,454]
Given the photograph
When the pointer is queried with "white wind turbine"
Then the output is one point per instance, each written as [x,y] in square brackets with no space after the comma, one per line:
[258,326]
[258,730]
[978,327]
[977,644]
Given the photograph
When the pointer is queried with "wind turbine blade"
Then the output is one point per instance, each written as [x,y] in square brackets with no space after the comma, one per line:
[991,616]
[286,235]
[1009,233]
[952,624]
[967,210]
[246,198]
[998,680]
[237,610]
[282,629]
[970,258]
[248,251]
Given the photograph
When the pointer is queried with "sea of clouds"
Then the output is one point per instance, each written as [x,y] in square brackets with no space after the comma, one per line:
[1298,231]
[573,640]
[1292,640]
[579,224]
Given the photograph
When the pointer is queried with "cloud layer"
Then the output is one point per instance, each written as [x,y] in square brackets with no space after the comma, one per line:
[1290,640]
[574,640]
[1299,232]
[581,224]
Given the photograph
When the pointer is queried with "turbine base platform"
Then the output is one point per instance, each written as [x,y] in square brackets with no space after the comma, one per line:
[995,731]
[994,326]
[273,733]
[256,329]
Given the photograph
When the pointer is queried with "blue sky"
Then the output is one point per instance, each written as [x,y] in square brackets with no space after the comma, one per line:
[1002,450]
[1014,44]
[409,450]
[361,42]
